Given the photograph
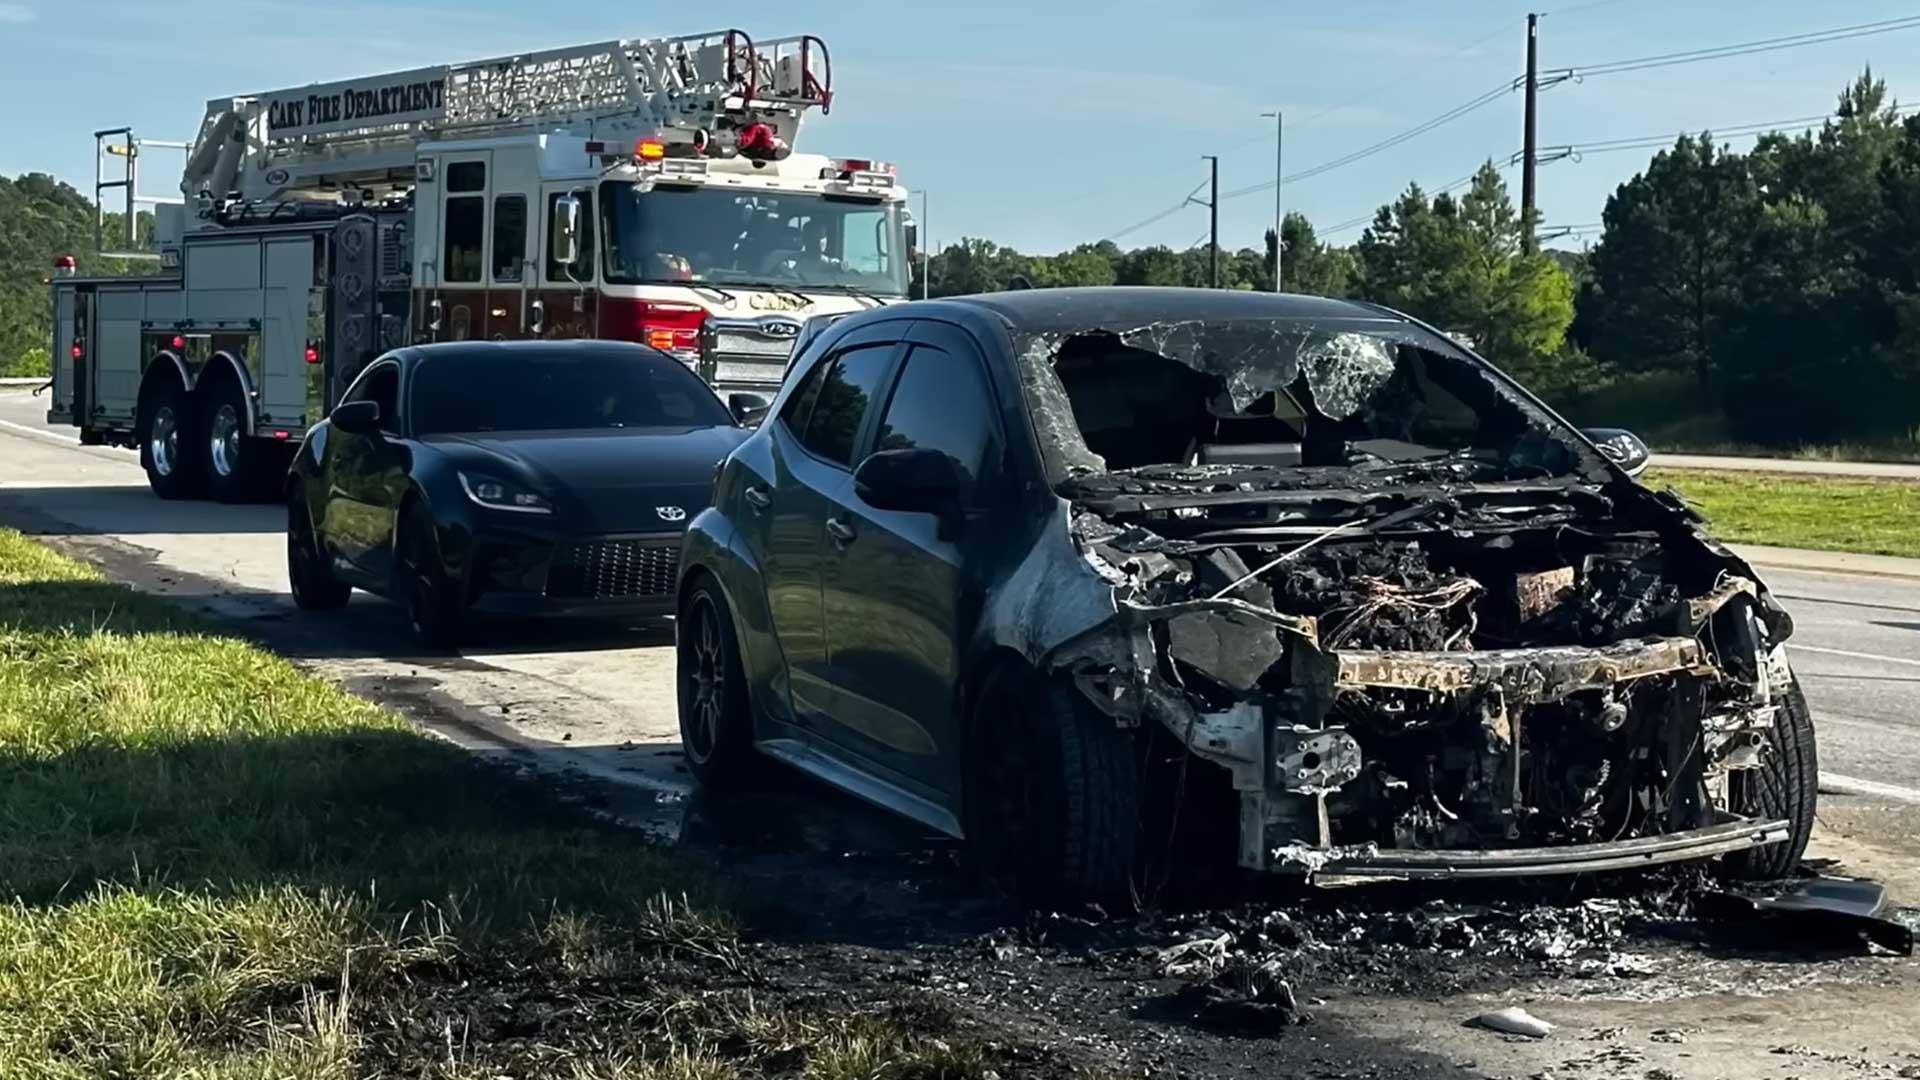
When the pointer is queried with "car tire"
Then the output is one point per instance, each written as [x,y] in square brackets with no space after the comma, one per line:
[716,716]
[313,584]
[1053,795]
[1786,784]
[168,450]
[434,612]
[236,464]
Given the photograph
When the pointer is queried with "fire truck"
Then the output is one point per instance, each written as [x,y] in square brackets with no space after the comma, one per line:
[643,190]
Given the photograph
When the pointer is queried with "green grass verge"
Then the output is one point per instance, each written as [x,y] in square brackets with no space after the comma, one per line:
[1873,517]
[214,866]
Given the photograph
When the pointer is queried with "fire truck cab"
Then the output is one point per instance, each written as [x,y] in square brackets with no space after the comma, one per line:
[640,190]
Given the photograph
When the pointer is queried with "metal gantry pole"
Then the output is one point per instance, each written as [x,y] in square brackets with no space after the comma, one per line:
[926,238]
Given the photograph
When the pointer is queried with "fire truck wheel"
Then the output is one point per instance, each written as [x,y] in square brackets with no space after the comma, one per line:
[168,452]
[237,465]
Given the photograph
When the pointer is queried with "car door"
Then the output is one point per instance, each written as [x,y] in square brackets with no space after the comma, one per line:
[362,490]
[900,597]
[812,446]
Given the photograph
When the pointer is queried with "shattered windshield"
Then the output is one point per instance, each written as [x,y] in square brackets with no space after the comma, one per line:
[1361,395]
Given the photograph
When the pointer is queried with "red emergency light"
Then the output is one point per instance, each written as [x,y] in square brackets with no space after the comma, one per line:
[77,351]
[179,342]
[671,328]
[312,354]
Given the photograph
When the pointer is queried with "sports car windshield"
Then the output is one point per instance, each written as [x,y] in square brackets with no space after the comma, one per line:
[524,390]
[1364,395]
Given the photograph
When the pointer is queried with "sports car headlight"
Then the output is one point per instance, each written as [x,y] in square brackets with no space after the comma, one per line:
[501,495]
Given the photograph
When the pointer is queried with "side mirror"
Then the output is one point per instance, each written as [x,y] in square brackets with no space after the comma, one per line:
[1621,447]
[748,409]
[913,239]
[357,417]
[565,241]
[916,480]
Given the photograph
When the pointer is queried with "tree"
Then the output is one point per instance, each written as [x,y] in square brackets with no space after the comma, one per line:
[1666,270]
[1311,267]
[1462,265]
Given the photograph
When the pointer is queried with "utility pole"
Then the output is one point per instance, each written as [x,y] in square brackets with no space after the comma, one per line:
[1530,242]
[1279,142]
[926,244]
[1213,227]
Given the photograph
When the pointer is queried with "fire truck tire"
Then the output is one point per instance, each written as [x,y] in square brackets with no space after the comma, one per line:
[164,423]
[237,465]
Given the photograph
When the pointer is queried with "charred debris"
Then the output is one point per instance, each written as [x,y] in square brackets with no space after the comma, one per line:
[1418,627]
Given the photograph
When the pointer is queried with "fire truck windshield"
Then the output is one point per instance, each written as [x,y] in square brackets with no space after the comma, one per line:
[793,240]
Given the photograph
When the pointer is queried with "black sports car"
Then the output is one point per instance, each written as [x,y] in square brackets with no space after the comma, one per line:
[521,478]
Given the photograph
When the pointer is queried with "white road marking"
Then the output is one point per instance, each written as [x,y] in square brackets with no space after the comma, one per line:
[1854,655]
[41,433]
[1848,785]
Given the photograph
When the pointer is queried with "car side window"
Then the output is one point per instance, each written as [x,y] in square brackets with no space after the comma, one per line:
[941,402]
[835,401]
[382,385]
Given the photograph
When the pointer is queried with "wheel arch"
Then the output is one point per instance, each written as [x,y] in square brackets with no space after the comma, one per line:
[224,367]
[165,369]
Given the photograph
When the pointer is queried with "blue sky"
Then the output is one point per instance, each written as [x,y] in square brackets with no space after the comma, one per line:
[1036,124]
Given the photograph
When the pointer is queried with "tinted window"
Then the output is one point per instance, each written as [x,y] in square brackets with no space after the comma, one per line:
[467,176]
[509,236]
[582,270]
[466,229]
[529,390]
[847,385]
[940,403]
[381,385]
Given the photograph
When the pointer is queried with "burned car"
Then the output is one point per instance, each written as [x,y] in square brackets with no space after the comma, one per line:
[1109,579]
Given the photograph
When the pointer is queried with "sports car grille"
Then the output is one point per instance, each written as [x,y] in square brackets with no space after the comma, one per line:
[608,569]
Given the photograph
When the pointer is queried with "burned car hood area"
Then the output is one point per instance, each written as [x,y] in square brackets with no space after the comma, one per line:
[1417,623]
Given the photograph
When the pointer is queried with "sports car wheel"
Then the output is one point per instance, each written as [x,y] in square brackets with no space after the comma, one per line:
[716,722]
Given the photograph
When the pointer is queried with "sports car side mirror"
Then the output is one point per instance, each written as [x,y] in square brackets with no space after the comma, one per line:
[916,480]
[1621,447]
[357,417]
[748,409]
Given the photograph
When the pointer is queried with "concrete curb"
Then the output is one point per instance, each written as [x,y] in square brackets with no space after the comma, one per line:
[25,380]
[1829,562]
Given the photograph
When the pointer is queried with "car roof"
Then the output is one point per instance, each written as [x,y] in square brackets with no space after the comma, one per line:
[1053,310]
[473,350]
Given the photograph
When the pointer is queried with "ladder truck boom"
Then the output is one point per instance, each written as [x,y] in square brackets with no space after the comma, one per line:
[720,91]
[645,190]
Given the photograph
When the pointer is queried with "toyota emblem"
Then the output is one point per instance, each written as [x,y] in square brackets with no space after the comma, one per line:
[670,513]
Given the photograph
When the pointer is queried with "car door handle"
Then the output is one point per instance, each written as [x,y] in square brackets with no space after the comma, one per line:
[840,531]
[757,497]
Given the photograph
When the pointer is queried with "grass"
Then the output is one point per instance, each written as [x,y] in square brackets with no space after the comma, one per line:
[1873,517]
[213,866]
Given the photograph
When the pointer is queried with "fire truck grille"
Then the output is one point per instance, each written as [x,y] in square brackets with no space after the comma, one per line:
[614,569]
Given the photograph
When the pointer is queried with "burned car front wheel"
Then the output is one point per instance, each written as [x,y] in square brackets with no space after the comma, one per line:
[716,724]
[1052,792]
[1785,785]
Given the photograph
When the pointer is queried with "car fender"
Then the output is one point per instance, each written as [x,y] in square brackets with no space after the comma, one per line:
[713,545]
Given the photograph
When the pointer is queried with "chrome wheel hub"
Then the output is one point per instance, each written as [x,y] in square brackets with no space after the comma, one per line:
[223,440]
[163,442]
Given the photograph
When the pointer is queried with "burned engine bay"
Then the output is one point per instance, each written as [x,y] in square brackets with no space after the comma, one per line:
[1419,627]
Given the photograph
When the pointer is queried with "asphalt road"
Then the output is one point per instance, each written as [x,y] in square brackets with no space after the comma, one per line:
[600,699]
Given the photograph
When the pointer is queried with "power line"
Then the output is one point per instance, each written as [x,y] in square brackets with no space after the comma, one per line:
[1447,189]
[1762,127]
[1455,113]
[1722,52]
[1160,216]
